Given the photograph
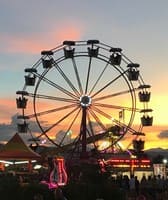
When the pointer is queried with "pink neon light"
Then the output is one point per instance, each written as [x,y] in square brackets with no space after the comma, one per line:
[62,175]
[58,176]
[50,184]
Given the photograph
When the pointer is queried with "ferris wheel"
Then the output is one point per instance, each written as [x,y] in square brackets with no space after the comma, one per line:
[81,92]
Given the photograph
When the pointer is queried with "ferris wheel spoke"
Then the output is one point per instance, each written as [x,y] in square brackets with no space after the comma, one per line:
[91,138]
[88,74]
[97,119]
[77,75]
[121,124]
[102,113]
[63,90]
[53,98]
[116,107]
[88,132]
[62,119]
[91,130]
[66,79]
[90,124]
[52,110]
[108,84]
[74,144]
[70,126]
[98,79]
[114,94]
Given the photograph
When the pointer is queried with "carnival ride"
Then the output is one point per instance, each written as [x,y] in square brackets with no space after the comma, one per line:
[82,92]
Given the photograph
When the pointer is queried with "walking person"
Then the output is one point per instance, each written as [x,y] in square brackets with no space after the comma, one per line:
[137,186]
[132,186]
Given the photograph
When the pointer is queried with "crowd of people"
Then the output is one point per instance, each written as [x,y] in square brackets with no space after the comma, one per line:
[147,188]
[57,195]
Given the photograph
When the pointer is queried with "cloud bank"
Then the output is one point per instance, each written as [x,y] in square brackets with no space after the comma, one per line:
[163,134]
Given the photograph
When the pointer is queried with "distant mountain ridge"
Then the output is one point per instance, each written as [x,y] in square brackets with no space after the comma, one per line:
[157,151]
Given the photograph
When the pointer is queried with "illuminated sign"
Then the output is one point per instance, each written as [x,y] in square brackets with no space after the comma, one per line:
[129,162]
[57,175]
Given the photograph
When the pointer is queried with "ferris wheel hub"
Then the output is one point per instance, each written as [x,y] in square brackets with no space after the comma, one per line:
[85,101]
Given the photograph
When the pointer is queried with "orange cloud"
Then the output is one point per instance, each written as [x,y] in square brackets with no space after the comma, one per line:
[41,41]
[7,110]
[67,31]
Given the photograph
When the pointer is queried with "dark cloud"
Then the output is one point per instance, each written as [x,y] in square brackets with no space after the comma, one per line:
[163,134]
[8,130]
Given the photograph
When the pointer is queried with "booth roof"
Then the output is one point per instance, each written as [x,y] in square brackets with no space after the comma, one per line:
[16,149]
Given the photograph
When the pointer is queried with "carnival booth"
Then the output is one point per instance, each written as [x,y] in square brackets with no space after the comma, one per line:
[16,151]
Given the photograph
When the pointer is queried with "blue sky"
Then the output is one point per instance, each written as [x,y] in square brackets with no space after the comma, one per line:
[140,28]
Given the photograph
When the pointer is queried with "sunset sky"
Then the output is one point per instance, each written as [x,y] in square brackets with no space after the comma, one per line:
[140,28]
